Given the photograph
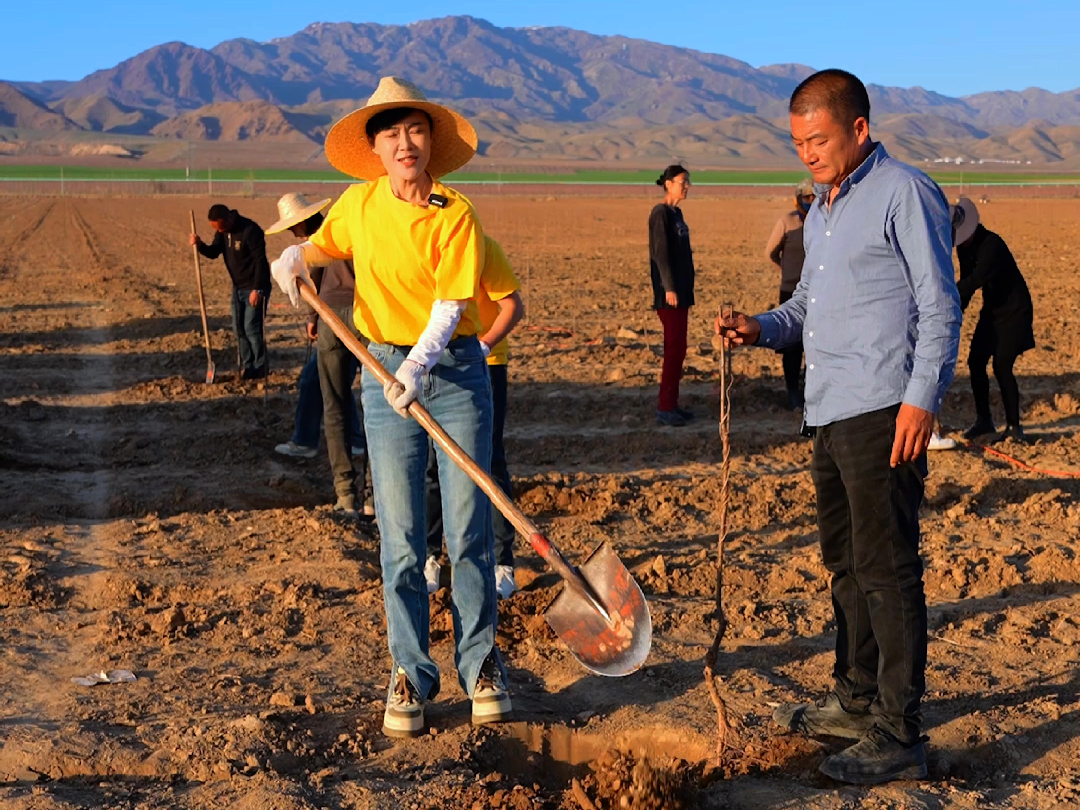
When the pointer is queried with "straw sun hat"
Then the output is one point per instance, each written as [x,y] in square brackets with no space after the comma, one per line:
[965,219]
[453,139]
[293,209]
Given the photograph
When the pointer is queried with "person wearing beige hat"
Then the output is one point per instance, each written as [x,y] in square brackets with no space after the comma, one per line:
[335,365]
[418,253]
[1005,327]
[785,250]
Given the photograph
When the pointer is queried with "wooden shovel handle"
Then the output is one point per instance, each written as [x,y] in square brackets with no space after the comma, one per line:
[421,415]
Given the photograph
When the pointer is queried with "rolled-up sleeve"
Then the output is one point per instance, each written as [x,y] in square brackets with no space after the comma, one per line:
[920,233]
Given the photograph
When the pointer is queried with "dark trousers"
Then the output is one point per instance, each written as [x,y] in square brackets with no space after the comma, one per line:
[982,350]
[504,530]
[868,527]
[248,326]
[337,371]
[792,360]
[675,325]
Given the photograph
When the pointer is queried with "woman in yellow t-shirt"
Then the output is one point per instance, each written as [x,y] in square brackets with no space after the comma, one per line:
[418,251]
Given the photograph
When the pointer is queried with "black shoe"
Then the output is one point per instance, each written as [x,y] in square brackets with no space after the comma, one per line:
[688,416]
[254,373]
[670,418]
[980,428]
[1016,433]
[878,757]
[827,717]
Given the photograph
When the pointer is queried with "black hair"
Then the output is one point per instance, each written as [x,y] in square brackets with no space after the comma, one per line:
[839,92]
[312,223]
[218,212]
[671,172]
[388,118]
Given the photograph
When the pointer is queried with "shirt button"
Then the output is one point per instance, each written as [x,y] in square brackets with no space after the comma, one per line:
[821,267]
[828,233]
[811,334]
[811,366]
[813,300]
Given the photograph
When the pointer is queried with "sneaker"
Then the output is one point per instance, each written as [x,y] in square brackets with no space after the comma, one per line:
[939,443]
[1016,433]
[670,418]
[369,508]
[827,717]
[878,757]
[491,702]
[504,581]
[404,715]
[980,428]
[294,450]
[346,505]
[688,416]
[358,452]
[259,373]
[431,574]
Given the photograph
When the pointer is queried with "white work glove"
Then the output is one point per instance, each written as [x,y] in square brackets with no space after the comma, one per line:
[287,268]
[405,386]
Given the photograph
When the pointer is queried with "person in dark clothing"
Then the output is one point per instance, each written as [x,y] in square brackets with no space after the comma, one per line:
[672,265]
[1004,330]
[785,250]
[243,246]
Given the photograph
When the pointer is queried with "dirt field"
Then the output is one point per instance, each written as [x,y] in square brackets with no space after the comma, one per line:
[146,524]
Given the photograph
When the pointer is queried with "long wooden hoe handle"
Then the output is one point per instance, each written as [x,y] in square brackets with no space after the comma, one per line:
[202,300]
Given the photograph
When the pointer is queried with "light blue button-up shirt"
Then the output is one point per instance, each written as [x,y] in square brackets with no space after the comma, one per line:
[877,307]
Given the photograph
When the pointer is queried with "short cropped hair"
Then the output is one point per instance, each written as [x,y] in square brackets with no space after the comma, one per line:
[218,212]
[388,118]
[841,93]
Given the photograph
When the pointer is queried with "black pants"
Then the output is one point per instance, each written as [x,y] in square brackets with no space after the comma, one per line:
[868,526]
[504,530]
[982,350]
[792,360]
[337,371]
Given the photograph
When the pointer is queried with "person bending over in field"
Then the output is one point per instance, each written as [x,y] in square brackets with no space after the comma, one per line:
[243,246]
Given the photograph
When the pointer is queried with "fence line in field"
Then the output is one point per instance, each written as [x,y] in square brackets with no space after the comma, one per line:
[141,187]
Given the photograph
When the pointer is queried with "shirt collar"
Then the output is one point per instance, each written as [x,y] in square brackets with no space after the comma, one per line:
[877,156]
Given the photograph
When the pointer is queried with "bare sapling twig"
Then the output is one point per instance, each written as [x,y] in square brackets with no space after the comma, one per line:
[712,680]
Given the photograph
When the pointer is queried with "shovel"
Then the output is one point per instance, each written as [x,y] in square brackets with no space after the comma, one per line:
[601,614]
[202,308]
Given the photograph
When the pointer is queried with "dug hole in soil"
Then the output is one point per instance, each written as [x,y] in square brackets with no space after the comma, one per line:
[148,525]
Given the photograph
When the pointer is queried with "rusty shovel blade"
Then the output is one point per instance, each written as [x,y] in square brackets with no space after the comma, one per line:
[612,648]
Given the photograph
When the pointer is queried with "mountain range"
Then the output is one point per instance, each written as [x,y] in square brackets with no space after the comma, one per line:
[534,93]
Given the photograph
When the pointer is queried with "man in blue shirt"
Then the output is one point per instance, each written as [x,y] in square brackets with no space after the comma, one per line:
[879,316]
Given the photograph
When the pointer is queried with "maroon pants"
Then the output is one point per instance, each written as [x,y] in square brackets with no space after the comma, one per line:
[674,321]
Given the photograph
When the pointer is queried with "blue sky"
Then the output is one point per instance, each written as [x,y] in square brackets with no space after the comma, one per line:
[956,48]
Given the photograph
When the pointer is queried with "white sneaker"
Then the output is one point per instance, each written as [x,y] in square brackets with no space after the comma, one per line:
[504,581]
[938,443]
[491,701]
[431,574]
[404,715]
[294,450]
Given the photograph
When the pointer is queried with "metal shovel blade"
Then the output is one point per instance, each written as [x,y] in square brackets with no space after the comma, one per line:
[210,369]
[612,649]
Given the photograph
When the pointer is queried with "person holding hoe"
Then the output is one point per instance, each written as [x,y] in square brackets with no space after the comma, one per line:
[418,251]
[879,315]
[243,246]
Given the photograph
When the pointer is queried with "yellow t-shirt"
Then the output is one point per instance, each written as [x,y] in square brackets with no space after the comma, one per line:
[406,257]
[496,282]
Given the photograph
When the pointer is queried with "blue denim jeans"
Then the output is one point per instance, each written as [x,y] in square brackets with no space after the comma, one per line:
[309,410]
[248,327]
[457,393]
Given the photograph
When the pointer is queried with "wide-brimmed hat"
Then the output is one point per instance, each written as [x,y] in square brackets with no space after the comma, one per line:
[293,209]
[965,219]
[453,139]
[806,186]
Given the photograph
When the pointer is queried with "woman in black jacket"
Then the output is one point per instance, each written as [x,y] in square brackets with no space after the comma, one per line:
[1004,331]
[672,265]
